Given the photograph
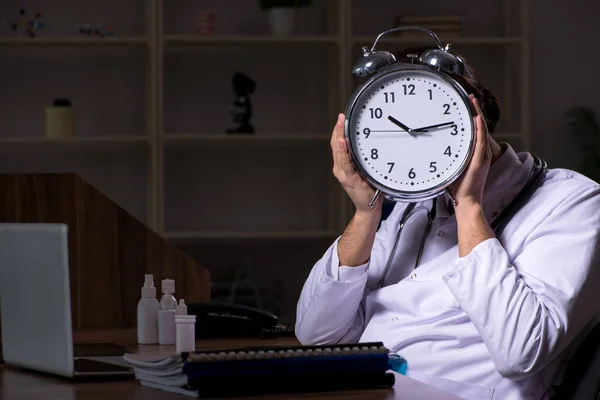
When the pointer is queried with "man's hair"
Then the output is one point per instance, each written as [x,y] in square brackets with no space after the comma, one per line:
[490,106]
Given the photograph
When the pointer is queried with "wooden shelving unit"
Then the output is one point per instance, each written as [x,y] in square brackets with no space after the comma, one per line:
[158,99]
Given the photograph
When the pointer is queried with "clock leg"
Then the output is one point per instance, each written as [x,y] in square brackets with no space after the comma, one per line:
[375,197]
[451,196]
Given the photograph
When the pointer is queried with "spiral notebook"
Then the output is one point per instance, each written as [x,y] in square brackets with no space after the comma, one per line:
[269,370]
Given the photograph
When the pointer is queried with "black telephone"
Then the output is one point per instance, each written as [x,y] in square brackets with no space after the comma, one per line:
[219,320]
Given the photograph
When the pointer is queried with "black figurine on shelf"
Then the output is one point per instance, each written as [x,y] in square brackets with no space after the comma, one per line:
[243,86]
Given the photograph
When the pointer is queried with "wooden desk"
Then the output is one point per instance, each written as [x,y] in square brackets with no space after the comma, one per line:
[16,384]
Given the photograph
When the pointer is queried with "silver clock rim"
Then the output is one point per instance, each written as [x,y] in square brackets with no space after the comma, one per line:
[399,195]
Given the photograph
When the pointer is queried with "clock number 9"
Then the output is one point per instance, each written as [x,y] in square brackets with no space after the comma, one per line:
[377,113]
[454,130]
[367,132]
[411,174]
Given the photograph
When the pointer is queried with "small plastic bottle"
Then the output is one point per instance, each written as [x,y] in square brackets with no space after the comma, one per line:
[166,314]
[185,326]
[147,313]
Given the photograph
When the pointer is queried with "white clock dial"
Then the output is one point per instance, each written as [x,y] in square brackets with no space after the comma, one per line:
[411,131]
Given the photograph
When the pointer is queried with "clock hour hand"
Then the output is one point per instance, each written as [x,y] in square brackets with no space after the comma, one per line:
[426,128]
[400,124]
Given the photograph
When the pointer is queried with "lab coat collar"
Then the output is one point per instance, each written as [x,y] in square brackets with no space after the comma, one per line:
[506,177]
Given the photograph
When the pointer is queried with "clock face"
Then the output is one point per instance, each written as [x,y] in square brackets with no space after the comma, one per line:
[410,132]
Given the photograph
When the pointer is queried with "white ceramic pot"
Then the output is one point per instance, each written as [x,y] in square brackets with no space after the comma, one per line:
[282,20]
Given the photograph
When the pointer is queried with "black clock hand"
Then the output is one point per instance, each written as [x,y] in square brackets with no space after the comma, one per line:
[400,124]
[425,128]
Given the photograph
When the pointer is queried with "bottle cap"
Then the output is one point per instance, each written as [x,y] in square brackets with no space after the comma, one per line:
[181,308]
[168,286]
[148,290]
[185,319]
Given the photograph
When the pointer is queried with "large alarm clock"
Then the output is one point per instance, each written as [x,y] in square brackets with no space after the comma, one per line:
[410,124]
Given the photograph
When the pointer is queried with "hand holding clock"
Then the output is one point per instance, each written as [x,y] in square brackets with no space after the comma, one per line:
[354,247]
[359,191]
[473,227]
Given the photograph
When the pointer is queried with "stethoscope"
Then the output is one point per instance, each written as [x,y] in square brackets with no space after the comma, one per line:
[535,178]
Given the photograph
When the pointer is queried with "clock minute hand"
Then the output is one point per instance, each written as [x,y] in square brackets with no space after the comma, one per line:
[425,128]
[400,124]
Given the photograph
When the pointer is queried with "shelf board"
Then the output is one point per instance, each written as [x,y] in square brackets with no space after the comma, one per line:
[203,235]
[74,41]
[185,138]
[247,39]
[103,143]
[80,139]
[497,40]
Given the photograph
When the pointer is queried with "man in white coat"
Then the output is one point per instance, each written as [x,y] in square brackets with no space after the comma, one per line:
[481,317]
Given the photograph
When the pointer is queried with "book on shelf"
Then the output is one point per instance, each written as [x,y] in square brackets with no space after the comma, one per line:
[270,370]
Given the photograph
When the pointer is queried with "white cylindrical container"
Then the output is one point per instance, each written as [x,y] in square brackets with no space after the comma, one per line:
[60,120]
[186,333]
[282,20]
[147,313]
[166,315]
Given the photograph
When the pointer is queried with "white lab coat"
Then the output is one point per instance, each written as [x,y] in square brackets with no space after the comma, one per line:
[489,325]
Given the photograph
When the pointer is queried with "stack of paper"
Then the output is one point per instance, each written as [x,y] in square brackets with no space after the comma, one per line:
[161,372]
[443,25]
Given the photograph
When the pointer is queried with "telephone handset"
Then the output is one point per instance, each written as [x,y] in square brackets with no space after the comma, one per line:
[217,320]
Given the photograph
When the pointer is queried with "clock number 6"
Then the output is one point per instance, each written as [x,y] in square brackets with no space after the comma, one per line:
[411,174]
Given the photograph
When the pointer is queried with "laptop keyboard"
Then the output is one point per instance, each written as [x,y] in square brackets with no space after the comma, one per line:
[85,365]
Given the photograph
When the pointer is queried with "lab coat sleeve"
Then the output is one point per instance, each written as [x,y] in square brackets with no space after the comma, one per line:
[331,307]
[529,311]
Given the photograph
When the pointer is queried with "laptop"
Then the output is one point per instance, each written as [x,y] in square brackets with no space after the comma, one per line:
[35,306]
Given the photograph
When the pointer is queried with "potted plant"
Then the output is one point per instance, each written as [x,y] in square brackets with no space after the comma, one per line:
[582,124]
[282,14]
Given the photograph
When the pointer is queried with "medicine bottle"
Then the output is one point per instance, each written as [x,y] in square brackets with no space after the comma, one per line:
[166,314]
[147,313]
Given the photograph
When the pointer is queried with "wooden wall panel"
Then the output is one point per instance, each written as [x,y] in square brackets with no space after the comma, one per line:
[109,250]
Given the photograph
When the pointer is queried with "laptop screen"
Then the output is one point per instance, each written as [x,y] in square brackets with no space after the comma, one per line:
[35,304]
